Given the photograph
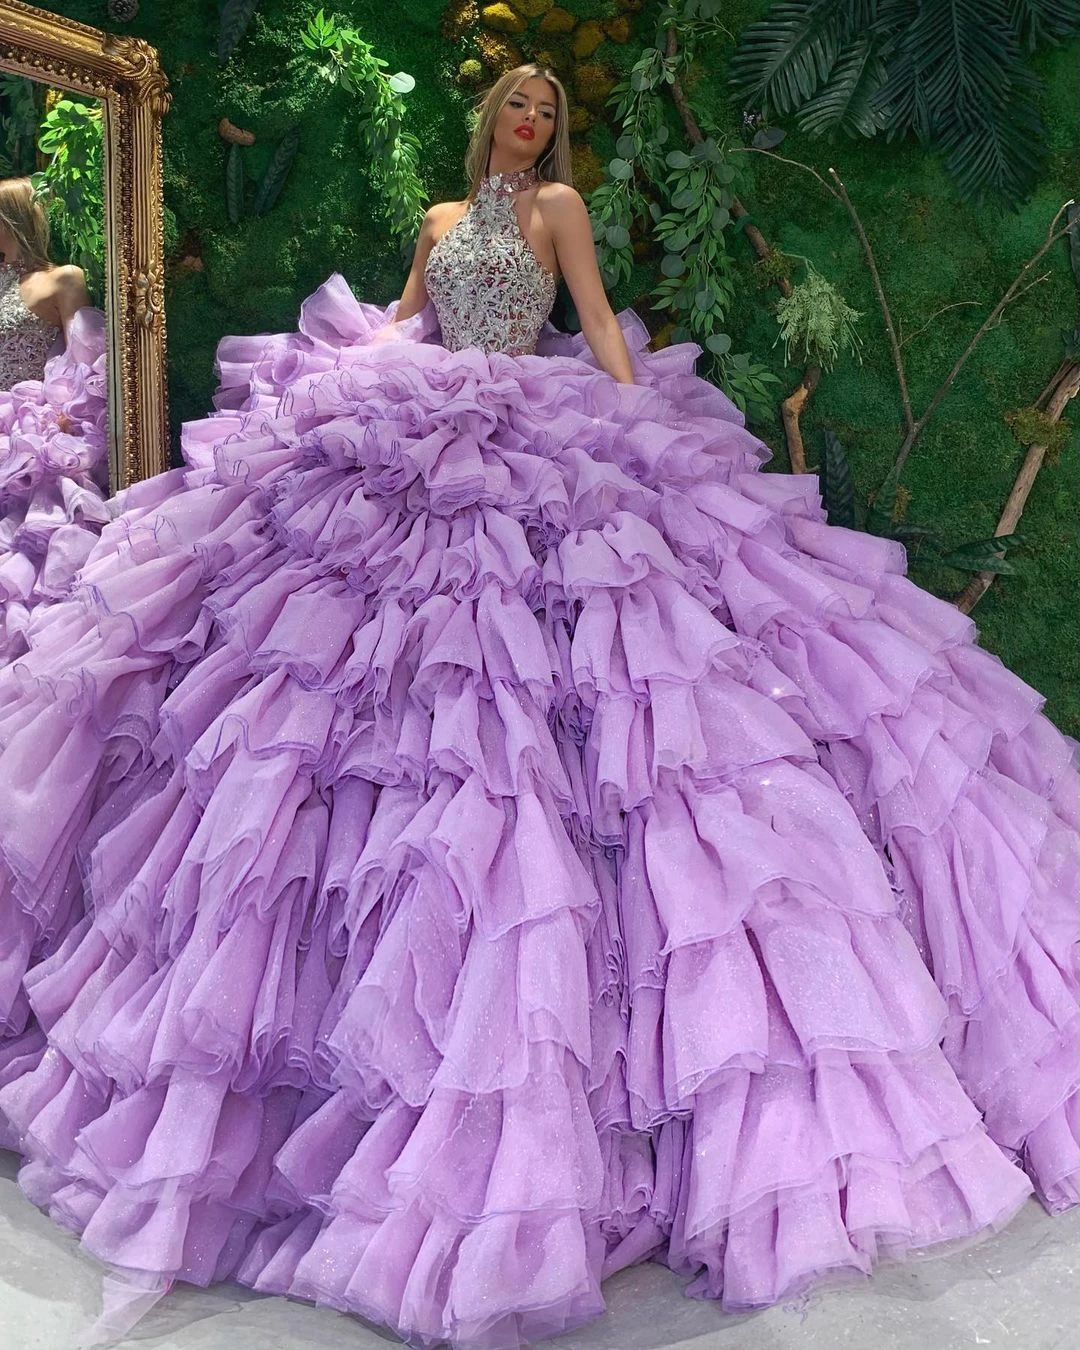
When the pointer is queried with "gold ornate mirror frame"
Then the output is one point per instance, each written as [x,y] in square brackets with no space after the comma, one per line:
[124,73]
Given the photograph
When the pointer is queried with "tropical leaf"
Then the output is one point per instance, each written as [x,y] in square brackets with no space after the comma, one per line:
[996,158]
[984,555]
[233,24]
[969,54]
[957,79]
[277,171]
[784,59]
[1044,21]
[846,103]
[234,183]
[837,484]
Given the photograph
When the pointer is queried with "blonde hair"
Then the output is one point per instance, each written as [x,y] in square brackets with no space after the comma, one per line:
[24,218]
[554,165]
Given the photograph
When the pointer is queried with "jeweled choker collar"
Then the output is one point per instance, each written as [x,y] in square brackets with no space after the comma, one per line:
[517,181]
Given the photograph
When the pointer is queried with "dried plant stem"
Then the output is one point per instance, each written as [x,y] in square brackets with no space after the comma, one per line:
[1062,388]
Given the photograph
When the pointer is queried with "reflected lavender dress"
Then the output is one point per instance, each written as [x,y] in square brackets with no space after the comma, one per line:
[511,837]
[53,455]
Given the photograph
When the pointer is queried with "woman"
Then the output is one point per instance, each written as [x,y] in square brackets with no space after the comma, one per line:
[496,809]
[53,417]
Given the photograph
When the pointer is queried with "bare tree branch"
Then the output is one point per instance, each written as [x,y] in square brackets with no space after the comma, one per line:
[1064,386]
[1017,287]
[879,290]
[959,304]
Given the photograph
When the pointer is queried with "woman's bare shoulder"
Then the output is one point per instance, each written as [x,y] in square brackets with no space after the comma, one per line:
[441,212]
[558,194]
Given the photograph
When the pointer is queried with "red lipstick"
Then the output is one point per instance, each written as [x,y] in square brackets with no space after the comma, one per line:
[525,132]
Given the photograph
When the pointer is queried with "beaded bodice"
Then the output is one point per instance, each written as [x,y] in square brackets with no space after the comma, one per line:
[488,287]
[25,339]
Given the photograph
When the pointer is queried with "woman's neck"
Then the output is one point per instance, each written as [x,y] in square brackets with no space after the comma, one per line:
[499,163]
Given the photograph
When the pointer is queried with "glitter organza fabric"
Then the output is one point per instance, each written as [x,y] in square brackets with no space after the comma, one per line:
[53,456]
[483,277]
[496,835]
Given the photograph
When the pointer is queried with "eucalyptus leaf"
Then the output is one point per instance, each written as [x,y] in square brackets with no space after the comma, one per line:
[718,343]
[673,265]
[618,236]
[626,147]
[678,159]
[620,170]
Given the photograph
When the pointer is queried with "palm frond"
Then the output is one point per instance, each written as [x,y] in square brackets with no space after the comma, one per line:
[784,58]
[846,103]
[1039,22]
[968,54]
[1003,153]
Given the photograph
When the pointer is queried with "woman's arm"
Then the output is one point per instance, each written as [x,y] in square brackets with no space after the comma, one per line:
[69,295]
[567,219]
[414,297]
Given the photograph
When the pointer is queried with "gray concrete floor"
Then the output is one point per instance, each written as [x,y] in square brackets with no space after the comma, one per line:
[1020,1290]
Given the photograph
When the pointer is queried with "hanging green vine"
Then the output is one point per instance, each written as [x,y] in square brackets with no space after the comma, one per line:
[347,60]
[683,198]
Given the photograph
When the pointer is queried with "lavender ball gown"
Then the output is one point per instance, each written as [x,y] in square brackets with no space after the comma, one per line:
[471,831]
[53,456]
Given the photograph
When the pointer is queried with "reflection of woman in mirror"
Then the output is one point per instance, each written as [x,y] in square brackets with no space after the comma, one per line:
[512,837]
[53,417]
[38,300]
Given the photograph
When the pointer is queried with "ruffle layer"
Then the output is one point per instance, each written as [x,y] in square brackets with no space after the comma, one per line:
[485,813]
[53,469]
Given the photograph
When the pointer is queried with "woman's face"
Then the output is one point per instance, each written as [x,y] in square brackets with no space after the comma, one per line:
[526,122]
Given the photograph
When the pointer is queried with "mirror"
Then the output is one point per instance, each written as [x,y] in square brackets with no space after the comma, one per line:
[82,323]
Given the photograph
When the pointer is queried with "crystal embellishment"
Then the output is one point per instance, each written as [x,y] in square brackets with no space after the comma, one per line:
[488,287]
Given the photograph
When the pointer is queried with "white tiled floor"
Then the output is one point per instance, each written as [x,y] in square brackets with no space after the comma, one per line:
[1019,1290]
